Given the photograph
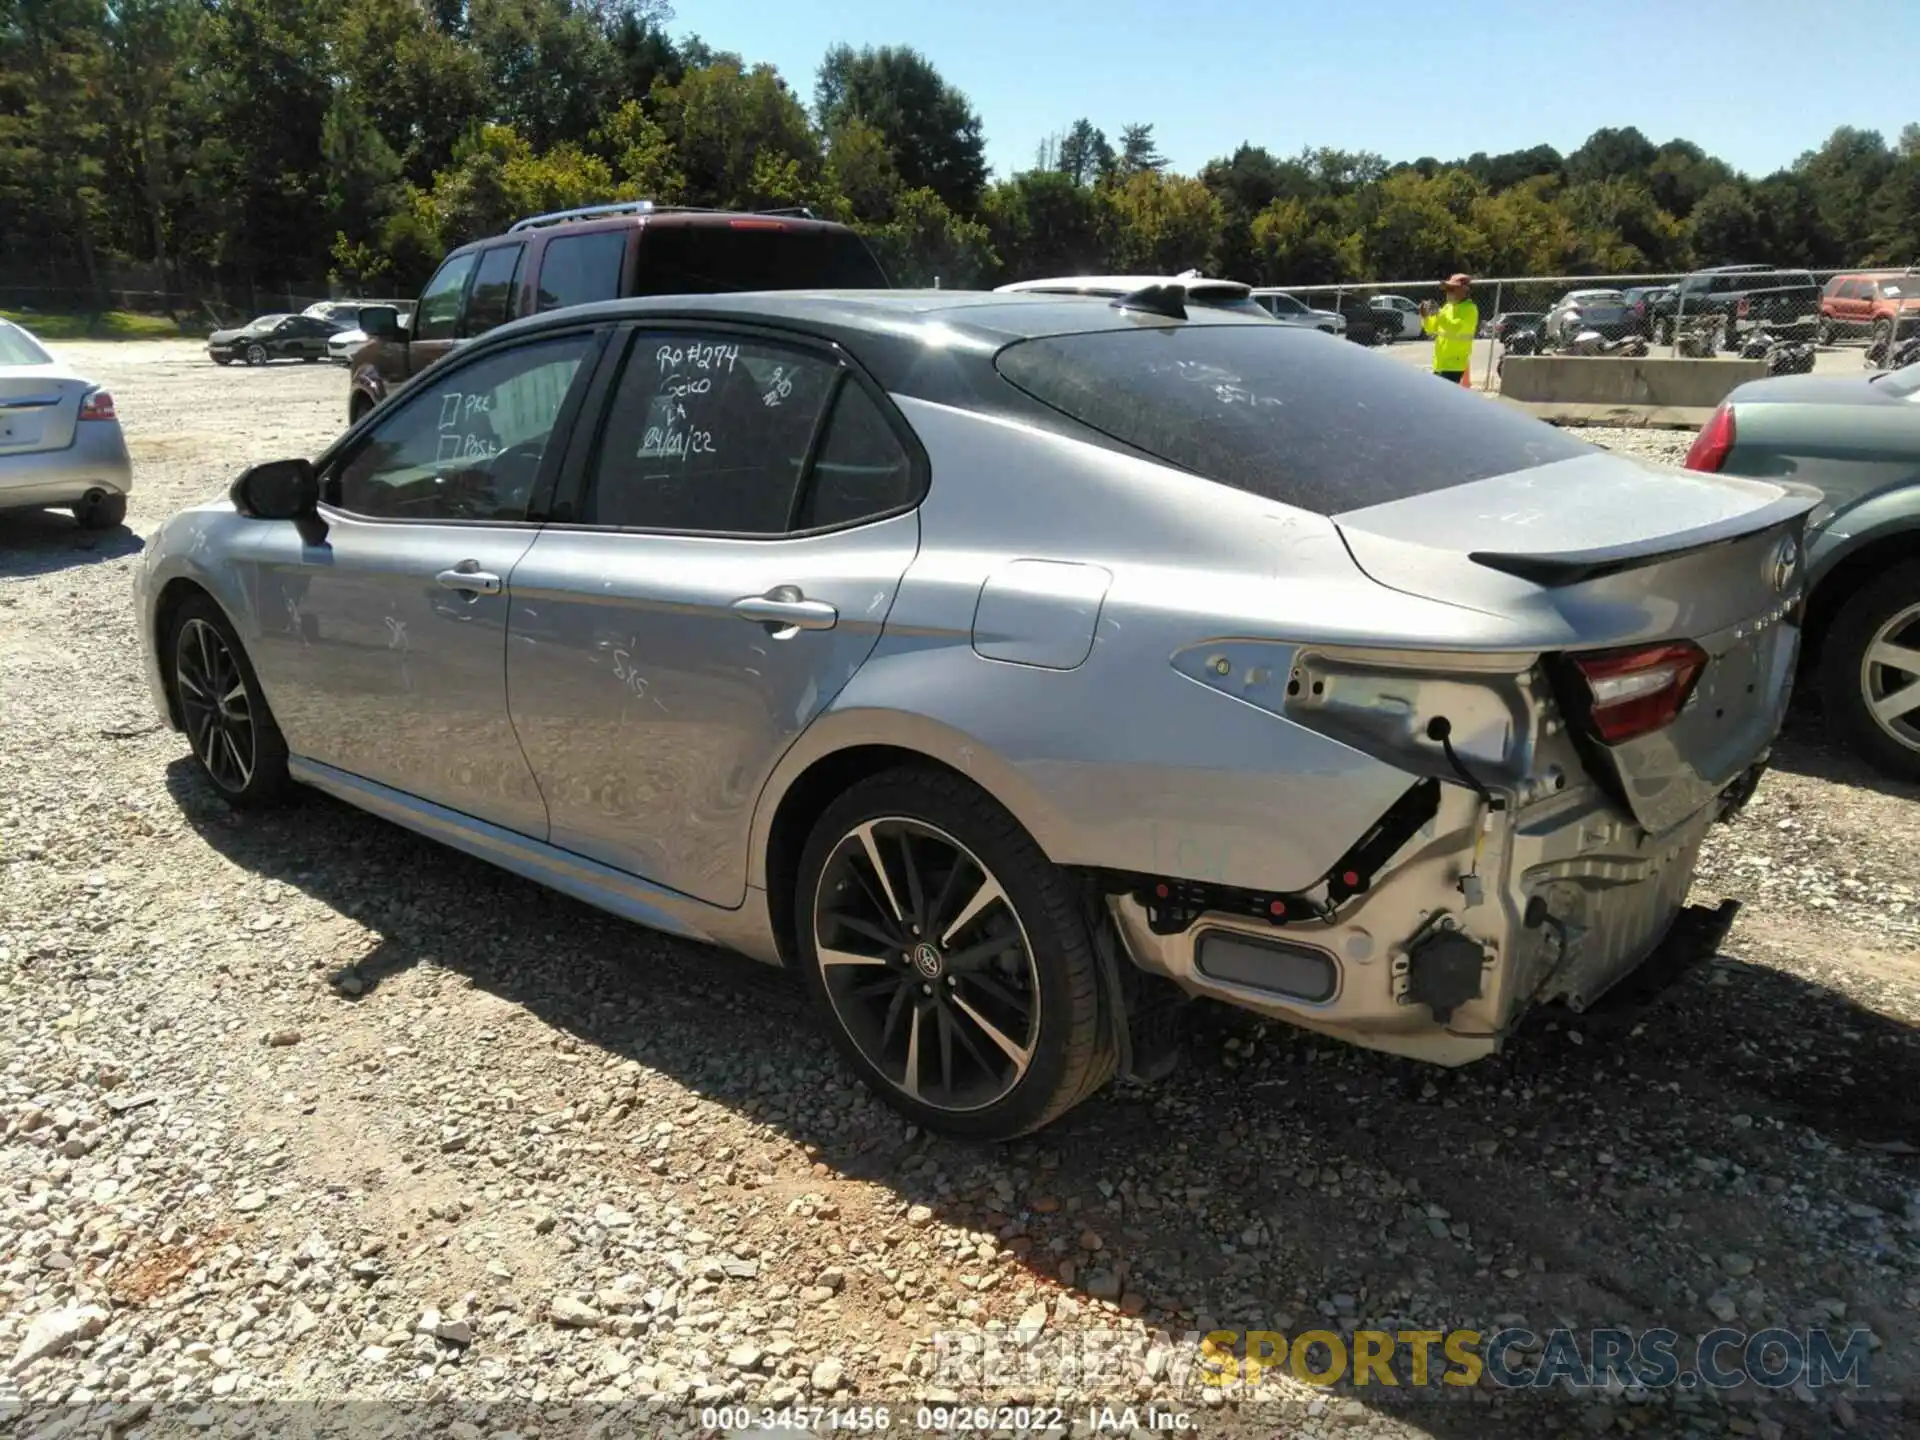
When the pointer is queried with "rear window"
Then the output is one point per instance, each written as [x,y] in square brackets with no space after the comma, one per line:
[704,259]
[19,348]
[1265,409]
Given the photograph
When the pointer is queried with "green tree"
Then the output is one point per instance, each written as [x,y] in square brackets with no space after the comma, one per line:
[1307,242]
[1138,152]
[860,169]
[724,122]
[641,154]
[931,129]
[926,242]
[1611,154]
[1042,223]
[1085,156]
[1159,224]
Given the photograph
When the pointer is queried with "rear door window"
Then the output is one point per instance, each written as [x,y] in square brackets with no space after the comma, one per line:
[707,433]
[439,310]
[491,301]
[1265,409]
[753,254]
[580,269]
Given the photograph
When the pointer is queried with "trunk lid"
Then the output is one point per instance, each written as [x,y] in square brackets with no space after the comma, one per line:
[39,406]
[1603,552]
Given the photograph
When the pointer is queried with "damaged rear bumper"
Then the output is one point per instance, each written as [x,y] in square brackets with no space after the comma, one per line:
[1489,913]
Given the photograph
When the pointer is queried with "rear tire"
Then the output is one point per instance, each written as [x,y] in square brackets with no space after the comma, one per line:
[1881,619]
[960,979]
[102,514]
[235,741]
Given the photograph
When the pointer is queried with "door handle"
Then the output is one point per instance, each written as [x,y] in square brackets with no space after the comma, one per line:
[784,608]
[468,576]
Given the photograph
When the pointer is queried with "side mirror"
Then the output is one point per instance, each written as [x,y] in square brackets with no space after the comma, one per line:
[382,322]
[277,490]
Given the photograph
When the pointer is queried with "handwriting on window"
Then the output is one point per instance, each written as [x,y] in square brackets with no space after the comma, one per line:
[460,437]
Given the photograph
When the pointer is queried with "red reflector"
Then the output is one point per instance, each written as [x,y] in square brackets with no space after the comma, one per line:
[1635,692]
[97,406]
[1162,891]
[1278,907]
[1714,442]
[756,225]
[1349,878]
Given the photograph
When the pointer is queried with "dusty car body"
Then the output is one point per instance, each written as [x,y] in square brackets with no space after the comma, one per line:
[1188,656]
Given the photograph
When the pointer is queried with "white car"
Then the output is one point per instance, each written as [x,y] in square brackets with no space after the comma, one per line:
[341,347]
[1214,294]
[1291,311]
[1409,313]
[60,440]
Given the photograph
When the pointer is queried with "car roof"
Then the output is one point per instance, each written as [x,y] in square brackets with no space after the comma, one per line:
[1122,284]
[983,319]
[688,217]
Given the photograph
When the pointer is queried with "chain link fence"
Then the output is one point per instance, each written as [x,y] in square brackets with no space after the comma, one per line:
[1798,320]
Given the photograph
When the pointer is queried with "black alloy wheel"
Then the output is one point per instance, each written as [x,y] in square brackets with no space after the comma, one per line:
[926,964]
[235,740]
[954,961]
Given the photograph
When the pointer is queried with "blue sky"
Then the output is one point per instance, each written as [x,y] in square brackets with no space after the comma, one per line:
[1755,83]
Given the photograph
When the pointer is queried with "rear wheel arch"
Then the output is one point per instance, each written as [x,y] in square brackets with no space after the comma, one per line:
[806,799]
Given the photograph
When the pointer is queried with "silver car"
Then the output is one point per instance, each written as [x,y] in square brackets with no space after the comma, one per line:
[1011,666]
[60,440]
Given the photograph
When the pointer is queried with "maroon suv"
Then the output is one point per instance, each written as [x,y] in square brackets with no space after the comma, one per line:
[603,252]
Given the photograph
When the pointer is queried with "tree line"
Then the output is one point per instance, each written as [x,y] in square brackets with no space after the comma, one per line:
[268,142]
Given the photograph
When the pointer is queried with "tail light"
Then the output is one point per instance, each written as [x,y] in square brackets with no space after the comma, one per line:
[1635,692]
[1740,307]
[97,406]
[1712,445]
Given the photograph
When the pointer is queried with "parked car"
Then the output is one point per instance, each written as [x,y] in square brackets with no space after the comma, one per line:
[1291,310]
[967,653]
[1502,326]
[1881,305]
[1214,294]
[342,347]
[273,337]
[1857,438]
[1409,313]
[1579,310]
[1640,302]
[601,252]
[1725,301]
[1353,316]
[60,440]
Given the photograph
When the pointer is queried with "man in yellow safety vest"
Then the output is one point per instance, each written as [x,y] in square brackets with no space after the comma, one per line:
[1453,326]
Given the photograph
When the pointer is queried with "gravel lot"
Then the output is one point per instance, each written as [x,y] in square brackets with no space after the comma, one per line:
[302,1107]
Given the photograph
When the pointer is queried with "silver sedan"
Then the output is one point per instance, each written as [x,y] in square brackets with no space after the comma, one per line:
[60,440]
[1014,667]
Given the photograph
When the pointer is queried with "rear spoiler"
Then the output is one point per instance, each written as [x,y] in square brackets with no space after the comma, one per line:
[1571,567]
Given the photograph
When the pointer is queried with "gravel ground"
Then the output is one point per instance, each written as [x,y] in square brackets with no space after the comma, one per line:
[300,1107]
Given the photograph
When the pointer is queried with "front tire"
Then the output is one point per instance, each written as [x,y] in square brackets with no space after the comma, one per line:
[1870,672]
[235,741]
[256,355]
[952,959]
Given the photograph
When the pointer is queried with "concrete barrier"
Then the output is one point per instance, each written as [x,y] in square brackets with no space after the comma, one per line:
[1613,380]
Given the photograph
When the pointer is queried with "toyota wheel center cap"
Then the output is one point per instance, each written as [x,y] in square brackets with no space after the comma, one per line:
[926,959]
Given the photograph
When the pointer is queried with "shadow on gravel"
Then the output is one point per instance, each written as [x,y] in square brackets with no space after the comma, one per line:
[1588,1176]
[39,542]
[1806,749]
